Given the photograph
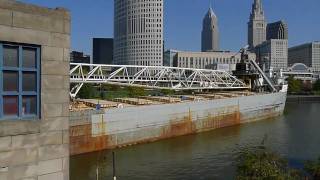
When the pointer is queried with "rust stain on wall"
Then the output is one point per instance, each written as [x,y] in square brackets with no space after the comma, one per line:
[82,140]
[179,127]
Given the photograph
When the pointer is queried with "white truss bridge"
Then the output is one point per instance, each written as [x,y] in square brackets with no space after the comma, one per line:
[153,77]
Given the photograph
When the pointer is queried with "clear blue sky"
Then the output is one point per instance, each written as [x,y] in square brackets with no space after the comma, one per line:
[183,19]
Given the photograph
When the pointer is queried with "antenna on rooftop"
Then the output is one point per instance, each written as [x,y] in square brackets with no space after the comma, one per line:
[211,4]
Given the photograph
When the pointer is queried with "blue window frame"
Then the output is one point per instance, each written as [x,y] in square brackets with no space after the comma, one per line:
[19,81]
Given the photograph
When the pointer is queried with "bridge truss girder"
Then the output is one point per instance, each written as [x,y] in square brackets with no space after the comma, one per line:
[153,77]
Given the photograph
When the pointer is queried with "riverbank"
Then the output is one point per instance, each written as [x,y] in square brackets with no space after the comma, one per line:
[303,98]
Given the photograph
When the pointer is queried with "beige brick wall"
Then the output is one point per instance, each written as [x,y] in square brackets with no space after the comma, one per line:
[39,149]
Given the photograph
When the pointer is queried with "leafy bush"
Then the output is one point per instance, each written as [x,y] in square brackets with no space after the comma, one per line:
[136,91]
[313,168]
[295,86]
[167,92]
[88,91]
[110,87]
[316,86]
[260,163]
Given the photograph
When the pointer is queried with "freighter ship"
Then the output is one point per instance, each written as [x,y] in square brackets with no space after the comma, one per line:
[155,118]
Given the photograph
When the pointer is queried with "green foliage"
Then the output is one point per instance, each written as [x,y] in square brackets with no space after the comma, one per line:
[88,91]
[167,91]
[295,86]
[313,168]
[110,87]
[85,70]
[109,92]
[316,86]
[136,91]
[260,163]
[110,95]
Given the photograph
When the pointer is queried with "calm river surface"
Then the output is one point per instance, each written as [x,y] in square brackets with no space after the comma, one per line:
[211,155]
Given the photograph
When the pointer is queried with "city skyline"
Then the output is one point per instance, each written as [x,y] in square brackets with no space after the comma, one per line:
[182,28]
[123,114]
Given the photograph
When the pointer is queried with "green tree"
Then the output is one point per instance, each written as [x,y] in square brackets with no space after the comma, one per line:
[167,91]
[295,86]
[316,86]
[260,163]
[313,168]
[136,91]
[110,87]
[88,91]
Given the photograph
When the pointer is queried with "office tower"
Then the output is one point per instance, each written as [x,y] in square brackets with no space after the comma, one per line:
[256,25]
[138,32]
[210,32]
[79,57]
[102,51]
[277,30]
[273,54]
[308,54]
[169,56]
[221,60]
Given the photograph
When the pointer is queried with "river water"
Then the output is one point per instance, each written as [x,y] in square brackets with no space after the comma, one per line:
[210,155]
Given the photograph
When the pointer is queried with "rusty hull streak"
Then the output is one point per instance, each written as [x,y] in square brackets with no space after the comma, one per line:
[81,140]
[178,127]
[227,117]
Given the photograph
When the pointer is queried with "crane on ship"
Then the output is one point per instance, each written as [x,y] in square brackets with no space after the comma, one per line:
[250,72]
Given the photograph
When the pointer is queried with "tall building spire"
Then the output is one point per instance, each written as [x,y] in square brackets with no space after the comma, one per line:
[257,10]
[256,25]
[257,4]
[210,12]
[210,32]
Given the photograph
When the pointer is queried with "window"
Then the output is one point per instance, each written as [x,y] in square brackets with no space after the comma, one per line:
[19,81]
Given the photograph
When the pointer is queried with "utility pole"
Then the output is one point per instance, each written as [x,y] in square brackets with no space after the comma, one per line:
[114,166]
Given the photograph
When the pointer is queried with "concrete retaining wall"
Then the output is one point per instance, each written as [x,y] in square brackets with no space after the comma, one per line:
[39,149]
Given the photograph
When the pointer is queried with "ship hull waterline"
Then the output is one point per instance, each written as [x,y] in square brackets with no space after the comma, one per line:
[114,128]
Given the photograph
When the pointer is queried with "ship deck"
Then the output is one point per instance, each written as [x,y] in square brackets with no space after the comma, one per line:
[86,104]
